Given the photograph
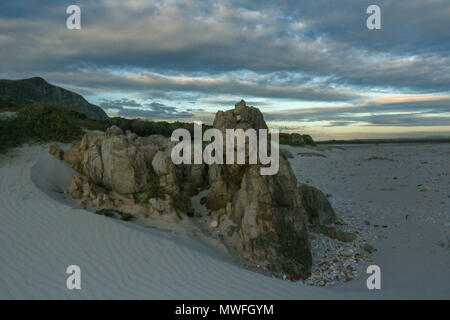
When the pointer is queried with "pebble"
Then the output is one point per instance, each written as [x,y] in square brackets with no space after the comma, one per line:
[214,224]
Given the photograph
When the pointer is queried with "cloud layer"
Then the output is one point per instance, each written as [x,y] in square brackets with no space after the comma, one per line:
[171,56]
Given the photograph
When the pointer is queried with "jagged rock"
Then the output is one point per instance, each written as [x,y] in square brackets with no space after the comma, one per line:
[160,206]
[124,168]
[124,202]
[240,104]
[75,187]
[149,152]
[317,206]
[97,197]
[194,177]
[260,219]
[241,117]
[73,157]
[113,131]
[221,190]
[56,152]
[113,161]
[91,160]
[165,169]
[160,142]
[271,222]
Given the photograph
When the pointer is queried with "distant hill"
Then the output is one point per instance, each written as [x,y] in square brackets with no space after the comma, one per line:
[36,90]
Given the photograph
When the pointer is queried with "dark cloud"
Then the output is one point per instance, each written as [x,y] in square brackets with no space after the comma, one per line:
[235,86]
[154,110]
[313,38]
[119,104]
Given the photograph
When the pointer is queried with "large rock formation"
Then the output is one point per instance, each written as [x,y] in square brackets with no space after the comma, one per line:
[36,90]
[259,218]
[113,161]
[123,170]
[266,211]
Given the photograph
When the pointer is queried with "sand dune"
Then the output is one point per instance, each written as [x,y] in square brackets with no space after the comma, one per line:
[41,234]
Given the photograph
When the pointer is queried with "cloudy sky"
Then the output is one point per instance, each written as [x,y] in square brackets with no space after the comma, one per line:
[311,66]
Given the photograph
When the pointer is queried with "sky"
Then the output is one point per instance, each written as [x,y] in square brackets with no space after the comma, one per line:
[311,66]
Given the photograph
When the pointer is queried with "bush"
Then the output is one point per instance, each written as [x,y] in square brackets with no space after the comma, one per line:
[10,134]
[39,123]
[8,106]
[48,123]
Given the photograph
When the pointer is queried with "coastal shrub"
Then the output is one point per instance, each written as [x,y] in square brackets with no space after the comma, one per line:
[48,123]
[7,106]
[10,134]
[39,124]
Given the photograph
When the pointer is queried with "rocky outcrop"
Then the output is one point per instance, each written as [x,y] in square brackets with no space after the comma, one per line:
[321,216]
[266,211]
[317,206]
[296,139]
[241,117]
[308,140]
[36,90]
[113,161]
[56,152]
[260,219]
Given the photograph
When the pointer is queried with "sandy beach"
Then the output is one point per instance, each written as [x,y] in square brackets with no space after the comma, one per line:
[399,200]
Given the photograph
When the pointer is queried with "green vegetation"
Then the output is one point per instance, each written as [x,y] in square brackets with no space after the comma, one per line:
[8,107]
[38,124]
[49,122]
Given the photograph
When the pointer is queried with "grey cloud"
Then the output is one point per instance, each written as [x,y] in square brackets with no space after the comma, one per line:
[414,113]
[119,104]
[217,52]
[238,87]
[187,37]
[154,110]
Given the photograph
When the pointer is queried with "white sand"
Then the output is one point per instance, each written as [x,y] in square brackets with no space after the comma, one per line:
[41,234]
